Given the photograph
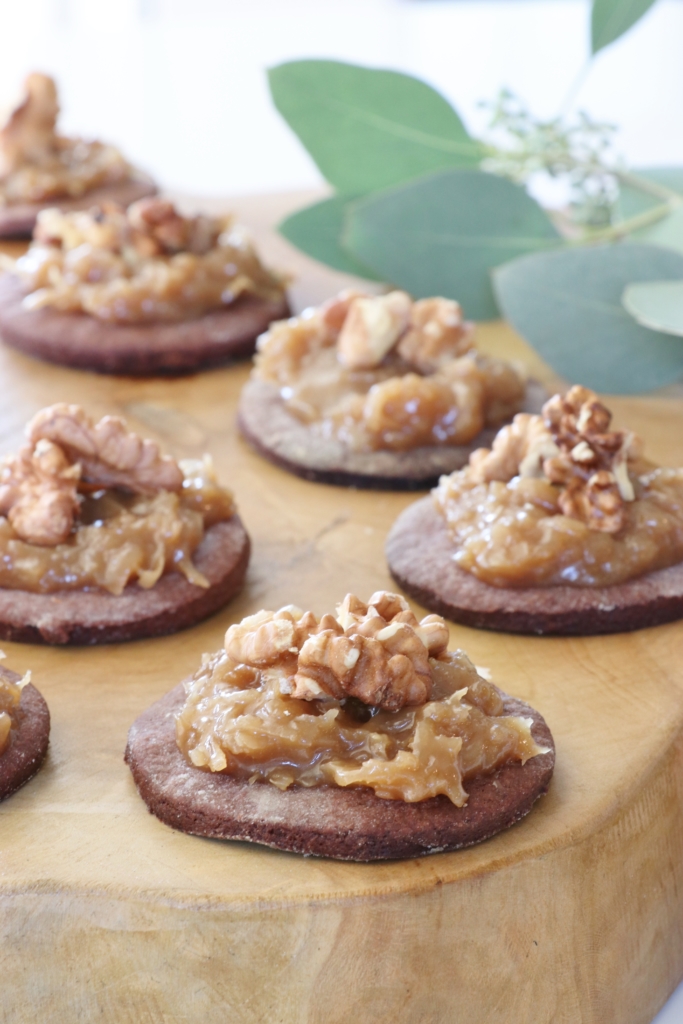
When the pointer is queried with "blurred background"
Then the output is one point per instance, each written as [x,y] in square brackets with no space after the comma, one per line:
[180,84]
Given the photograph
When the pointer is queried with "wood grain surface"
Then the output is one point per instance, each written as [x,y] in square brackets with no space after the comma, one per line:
[575,915]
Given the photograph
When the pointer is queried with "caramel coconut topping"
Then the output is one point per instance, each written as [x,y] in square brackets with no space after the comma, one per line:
[562,498]
[37,164]
[92,504]
[369,697]
[146,263]
[385,372]
[10,696]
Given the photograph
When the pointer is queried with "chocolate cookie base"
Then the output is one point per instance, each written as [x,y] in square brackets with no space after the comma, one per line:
[19,219]
[97,617]
[265,422]
[137,350]
[27,748]
[326,821]
[419,552]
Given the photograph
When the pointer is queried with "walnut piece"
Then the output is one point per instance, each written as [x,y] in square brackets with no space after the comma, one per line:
[371,329]
[266,637]
[66,450]
[158,229]
[592,463]
[150,227]
[426,335]
[28,136]
[388,670]
[334,312]
[376,652]
[436,334]
[38,493]
[283,350]
[570,444]
[518,449]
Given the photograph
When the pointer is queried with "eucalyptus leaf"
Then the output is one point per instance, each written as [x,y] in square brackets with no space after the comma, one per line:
[611,18]
[367,128]
[316,231]
[441,235]
[567,304]
[667,232]
[656,304]
[633,201]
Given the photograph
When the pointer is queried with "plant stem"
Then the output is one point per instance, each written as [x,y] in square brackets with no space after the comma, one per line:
[626,227]
[652,188]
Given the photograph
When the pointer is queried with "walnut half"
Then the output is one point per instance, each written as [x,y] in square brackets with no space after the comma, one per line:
[109,454]
[28,135]
[66,450]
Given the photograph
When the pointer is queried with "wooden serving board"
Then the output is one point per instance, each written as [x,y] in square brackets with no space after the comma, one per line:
[574,915]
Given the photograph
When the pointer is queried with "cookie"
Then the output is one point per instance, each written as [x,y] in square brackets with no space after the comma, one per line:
[345,824]
[17,220]
[419,552]
[86,343]
[288,442]
[89,617]
[27,748]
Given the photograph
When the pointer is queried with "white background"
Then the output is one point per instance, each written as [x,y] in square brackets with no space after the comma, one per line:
[180,84]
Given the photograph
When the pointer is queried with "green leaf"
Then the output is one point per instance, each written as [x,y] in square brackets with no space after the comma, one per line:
[656,304]
[567,305]
[633,201]
[367,129]
[611,18]
[316,231]
[442,234]
[667,232]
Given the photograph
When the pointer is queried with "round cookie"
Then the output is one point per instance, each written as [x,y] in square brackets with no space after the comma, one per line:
[173,603]
[327,821]
[17,220]
[86,343]
[289,443]
[420,556]
[27,748]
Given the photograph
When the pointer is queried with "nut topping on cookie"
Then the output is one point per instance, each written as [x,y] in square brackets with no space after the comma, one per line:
[37,164]
[91,504]
[387,373]
[371,697]
[38,486]
[571,445]
[376,652]
[562,499]
[145,264]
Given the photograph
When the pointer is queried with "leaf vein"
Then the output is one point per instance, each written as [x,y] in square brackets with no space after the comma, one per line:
[402,131]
